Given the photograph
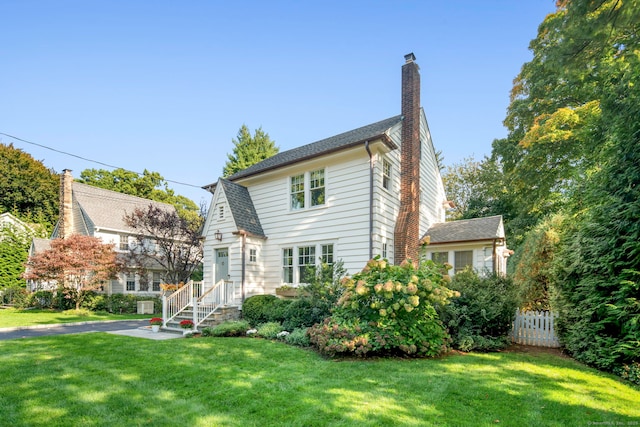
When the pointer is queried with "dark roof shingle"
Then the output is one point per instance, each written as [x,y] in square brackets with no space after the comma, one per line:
[324,146]
[242,209]
[466,230]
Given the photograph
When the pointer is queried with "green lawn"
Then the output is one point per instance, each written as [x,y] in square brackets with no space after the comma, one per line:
[12,317]
[99,379]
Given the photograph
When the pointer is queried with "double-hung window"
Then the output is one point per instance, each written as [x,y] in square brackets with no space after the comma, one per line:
[297,192]
[386,174]
[287,265]
[317,187]
[131,282]
[124,242]
[307,189]
[306,259]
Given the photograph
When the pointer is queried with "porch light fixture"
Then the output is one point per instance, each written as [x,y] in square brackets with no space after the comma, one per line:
[218,235]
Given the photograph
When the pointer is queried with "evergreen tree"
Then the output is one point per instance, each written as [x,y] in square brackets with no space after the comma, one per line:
[249,150]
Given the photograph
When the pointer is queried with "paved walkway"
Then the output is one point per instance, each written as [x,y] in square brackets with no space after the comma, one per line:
[132,328]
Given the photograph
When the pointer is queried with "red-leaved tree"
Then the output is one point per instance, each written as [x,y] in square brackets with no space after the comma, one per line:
[81,263]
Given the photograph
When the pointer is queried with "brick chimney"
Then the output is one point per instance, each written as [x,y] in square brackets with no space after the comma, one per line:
[65,222]
[406,234]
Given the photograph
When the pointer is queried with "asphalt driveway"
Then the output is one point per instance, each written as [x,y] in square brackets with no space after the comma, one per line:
[71,328]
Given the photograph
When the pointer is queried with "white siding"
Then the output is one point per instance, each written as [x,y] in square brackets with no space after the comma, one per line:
[432,195]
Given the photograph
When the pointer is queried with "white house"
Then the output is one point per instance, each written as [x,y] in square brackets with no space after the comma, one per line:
[93,211]
[374,190]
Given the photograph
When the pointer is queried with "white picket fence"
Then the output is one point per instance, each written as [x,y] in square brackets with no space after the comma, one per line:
[535,328]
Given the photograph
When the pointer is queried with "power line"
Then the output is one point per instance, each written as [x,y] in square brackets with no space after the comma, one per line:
[92,161]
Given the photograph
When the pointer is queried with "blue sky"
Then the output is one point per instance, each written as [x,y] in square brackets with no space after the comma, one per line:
[166,85]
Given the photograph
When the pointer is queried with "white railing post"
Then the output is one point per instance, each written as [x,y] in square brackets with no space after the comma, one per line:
[164,310]
[194,300]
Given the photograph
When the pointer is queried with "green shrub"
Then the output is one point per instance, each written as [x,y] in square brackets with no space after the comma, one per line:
[269,330]
[305,312]
[234,328]
[122,303]
[16,295]
[298,337]
[629,372]
[96,302]
[41,299]
[386,309]
[481,318]
[264,308]
[65,298]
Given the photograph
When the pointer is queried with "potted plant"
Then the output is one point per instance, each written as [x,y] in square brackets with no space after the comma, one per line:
[186,325]
[155,322]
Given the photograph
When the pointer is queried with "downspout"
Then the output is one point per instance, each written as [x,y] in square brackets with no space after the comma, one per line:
[366,146]
[494,256]
[244,261]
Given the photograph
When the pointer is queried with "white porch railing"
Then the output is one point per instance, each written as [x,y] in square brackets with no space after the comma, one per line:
[203,304]
[221,294]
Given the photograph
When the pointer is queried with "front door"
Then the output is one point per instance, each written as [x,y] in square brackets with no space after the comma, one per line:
[222,264]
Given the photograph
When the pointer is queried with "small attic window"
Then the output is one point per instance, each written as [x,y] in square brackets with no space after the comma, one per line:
[221,212]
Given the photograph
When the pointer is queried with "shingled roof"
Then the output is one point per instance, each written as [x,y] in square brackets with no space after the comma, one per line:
[242,209]
[95,207]
[466,230]
[325,146]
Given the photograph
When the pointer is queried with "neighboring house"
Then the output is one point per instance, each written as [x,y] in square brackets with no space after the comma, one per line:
[8,221]
[478,243]
[375,190]
[93,211]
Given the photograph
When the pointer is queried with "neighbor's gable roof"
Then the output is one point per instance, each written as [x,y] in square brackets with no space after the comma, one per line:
[105,208]
[466,230]
[242,208]
[40,245]
[325,146]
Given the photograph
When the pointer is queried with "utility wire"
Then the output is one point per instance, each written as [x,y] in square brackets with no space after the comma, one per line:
[90,160]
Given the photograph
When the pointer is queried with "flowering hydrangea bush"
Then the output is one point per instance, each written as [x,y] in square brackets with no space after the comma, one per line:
[387,309]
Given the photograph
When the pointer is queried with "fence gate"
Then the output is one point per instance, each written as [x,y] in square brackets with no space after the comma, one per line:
[535,328]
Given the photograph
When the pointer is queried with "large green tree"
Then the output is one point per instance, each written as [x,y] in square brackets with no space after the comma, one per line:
[572,147]
[249,150]
[28,189]
[149,185]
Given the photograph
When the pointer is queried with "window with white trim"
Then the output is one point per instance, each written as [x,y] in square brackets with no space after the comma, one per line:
[156,281]
[306,259]
[440,257]
[316,180]
[131,282]
[384,251]
[307,189]
[462,260]
[287,265]
[327,254]
[297,192]
[298,260]
[253,255]
[124,242]
[386,174]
